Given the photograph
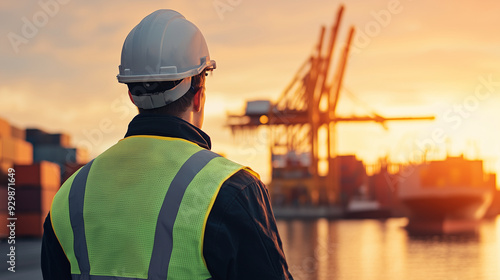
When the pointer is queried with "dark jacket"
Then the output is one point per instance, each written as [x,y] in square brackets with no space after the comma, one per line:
[241,239]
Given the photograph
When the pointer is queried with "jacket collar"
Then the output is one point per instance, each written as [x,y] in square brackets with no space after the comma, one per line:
[167,126]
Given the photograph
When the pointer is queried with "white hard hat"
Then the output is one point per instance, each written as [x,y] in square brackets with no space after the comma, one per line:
[164,46]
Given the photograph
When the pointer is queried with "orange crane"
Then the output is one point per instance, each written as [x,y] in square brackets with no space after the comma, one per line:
[299,121]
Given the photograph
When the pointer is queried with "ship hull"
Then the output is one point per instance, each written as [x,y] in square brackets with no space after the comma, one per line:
[454,213]
[449,196]
[452,207]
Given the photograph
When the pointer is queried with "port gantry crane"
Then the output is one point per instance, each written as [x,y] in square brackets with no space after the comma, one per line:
[302,122]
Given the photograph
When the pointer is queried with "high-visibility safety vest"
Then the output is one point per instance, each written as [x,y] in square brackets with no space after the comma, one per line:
[139,210]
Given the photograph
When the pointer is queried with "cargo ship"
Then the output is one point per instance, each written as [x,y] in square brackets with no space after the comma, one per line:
[446,197]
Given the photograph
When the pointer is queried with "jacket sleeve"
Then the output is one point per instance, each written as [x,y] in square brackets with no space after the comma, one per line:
[241,237]
[55,265]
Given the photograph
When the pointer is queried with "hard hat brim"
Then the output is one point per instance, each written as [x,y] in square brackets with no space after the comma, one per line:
[126,77]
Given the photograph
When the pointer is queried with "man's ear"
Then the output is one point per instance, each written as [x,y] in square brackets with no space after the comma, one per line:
[197,100]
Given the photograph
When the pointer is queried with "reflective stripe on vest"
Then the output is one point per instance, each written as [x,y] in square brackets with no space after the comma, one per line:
[75,201]
[175,249]
[162,249]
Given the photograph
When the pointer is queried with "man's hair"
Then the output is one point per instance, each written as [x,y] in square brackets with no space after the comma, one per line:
[175,108]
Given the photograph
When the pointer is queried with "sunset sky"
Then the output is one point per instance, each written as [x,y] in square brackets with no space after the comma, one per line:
[59,60]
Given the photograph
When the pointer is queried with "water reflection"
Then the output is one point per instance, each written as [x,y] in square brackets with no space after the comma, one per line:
[372,250]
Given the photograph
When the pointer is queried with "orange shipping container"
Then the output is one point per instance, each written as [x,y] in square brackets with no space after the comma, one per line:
[7,149]
[4,170]
[5,130]
[23,152]
[64,139]
[17,150]
[45,174]
[18,133]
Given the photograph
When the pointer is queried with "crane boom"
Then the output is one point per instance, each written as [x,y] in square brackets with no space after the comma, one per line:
[296,119]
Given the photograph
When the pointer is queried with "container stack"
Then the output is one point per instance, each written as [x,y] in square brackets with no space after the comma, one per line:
[36,185]
[40,161]
[55,148]
[14,149]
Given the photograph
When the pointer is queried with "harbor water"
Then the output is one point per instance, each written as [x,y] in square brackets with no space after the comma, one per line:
[383,250]
[353,250]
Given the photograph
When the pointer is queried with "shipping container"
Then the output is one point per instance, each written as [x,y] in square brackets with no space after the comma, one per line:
[54,153]
[32,206]
[3,198]
[16,150]
[44,174]
[30,224]
[23,152]
[18,133]
[4,169]
[33,135]
[7,149]
[5,129]
[39,137]
[33,199]
[4,230]
[63,139]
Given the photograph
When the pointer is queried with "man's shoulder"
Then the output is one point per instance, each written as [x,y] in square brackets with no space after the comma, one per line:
[241,180]
[242,199]
[241,186]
